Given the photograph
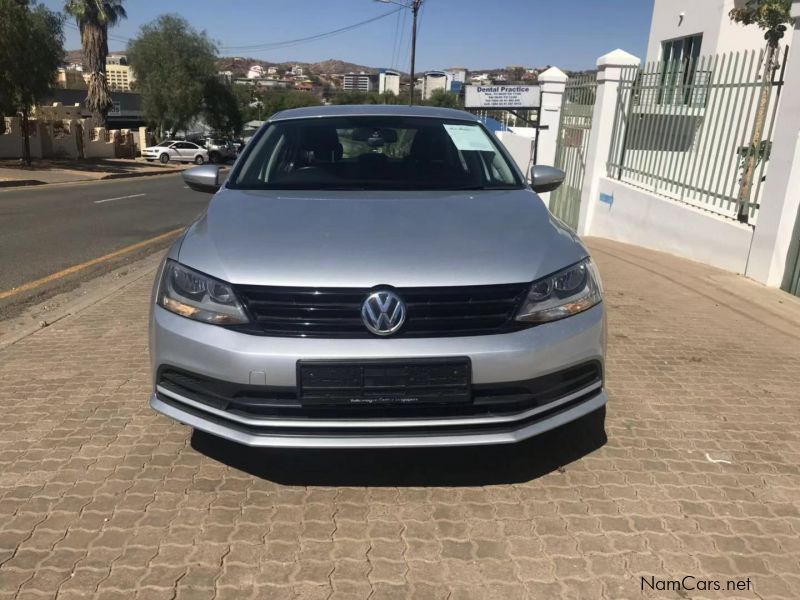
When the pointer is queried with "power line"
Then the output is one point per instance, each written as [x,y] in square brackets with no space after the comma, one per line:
[421,14]
[281,44]
[396,39]
[407,53]
[110,37]
[310,38]
[399,46]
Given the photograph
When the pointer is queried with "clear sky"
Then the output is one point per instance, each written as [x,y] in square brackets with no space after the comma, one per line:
[477,34]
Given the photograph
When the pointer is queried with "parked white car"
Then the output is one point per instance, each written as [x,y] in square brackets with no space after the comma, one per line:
[177,150]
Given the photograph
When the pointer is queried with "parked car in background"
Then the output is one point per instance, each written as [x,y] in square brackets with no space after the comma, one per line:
[220,150]
[176,150]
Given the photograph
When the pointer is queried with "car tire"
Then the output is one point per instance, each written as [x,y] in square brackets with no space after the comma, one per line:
[164,158]
[213,158]
[199,160]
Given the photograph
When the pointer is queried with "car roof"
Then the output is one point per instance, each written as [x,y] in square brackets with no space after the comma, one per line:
[372,110]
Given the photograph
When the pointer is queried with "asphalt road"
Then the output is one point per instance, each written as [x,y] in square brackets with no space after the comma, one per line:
[45,230]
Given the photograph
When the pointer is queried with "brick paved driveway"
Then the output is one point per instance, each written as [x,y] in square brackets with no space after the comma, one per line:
[699,476]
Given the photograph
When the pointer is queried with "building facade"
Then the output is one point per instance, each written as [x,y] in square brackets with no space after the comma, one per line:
[432,81]
[255,72]
[120,77]
[389,81]
[357,82]
[70,79]
[682,29]
[456,78]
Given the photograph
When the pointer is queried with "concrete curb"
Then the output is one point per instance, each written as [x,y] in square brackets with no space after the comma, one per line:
[139,269]
[132,175]
[21,183]
[83,182]
[110,176]
[32,183]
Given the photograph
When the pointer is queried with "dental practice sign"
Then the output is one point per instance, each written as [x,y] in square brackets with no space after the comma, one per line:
[501,96]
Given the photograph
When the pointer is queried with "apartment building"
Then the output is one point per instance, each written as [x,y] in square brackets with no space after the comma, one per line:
[389,81]
[119,76]
[357,82]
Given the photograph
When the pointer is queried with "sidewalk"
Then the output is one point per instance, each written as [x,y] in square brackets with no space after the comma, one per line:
[43,171]
[699,477]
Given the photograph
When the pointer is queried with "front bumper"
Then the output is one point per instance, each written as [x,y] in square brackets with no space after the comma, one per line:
[249,360]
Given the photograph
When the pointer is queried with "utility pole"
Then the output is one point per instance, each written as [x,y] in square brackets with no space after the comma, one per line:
[414,5]
[414,9]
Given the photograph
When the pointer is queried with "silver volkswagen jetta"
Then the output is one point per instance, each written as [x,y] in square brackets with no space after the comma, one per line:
[376,276]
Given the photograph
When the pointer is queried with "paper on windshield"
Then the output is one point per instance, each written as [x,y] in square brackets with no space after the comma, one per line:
[469,137]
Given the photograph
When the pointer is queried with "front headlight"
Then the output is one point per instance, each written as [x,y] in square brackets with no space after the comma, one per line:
[200,297]
[568,292]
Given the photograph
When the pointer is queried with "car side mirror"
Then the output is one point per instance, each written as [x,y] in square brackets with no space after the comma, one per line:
[204,178]
[546,179]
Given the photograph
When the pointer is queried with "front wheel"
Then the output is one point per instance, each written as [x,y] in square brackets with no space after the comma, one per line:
[164,158]
[214,158]
[198,160]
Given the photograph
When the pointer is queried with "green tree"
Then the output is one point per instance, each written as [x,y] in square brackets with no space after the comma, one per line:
[516,74]
[364,98]
[94,17]
[247,98]
[443,99]
[31,50]
[173,63]
[277,100]
[221,108]
[772,16]
[257,104]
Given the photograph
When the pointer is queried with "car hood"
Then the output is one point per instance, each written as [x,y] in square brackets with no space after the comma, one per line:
[368,238]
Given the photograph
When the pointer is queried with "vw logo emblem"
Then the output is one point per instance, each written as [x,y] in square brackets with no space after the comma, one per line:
[383,312]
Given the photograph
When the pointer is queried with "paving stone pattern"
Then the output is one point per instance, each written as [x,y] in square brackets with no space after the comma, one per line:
[100,497]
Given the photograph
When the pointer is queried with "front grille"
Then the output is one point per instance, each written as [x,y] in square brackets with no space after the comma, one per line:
[336,312]
[489,399]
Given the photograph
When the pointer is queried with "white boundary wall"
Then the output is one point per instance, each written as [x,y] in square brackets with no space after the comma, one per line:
[632,215]
[520,148]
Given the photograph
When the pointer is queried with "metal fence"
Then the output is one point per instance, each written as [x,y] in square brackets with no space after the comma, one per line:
[687,130]
[575,125]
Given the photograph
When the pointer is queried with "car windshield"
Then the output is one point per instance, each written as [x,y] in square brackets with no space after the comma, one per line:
[387,153]
[164,144]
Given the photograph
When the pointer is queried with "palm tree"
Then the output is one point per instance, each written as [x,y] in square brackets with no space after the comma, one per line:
[94,17]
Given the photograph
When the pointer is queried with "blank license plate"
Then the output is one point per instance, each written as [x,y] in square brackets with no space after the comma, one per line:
[384,381]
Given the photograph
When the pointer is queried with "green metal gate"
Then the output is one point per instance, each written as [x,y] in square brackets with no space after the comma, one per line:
[792,276]
[572,143]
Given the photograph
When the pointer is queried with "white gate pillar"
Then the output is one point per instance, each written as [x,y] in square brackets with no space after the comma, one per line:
[551,82]
[609,73]
[780,198]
